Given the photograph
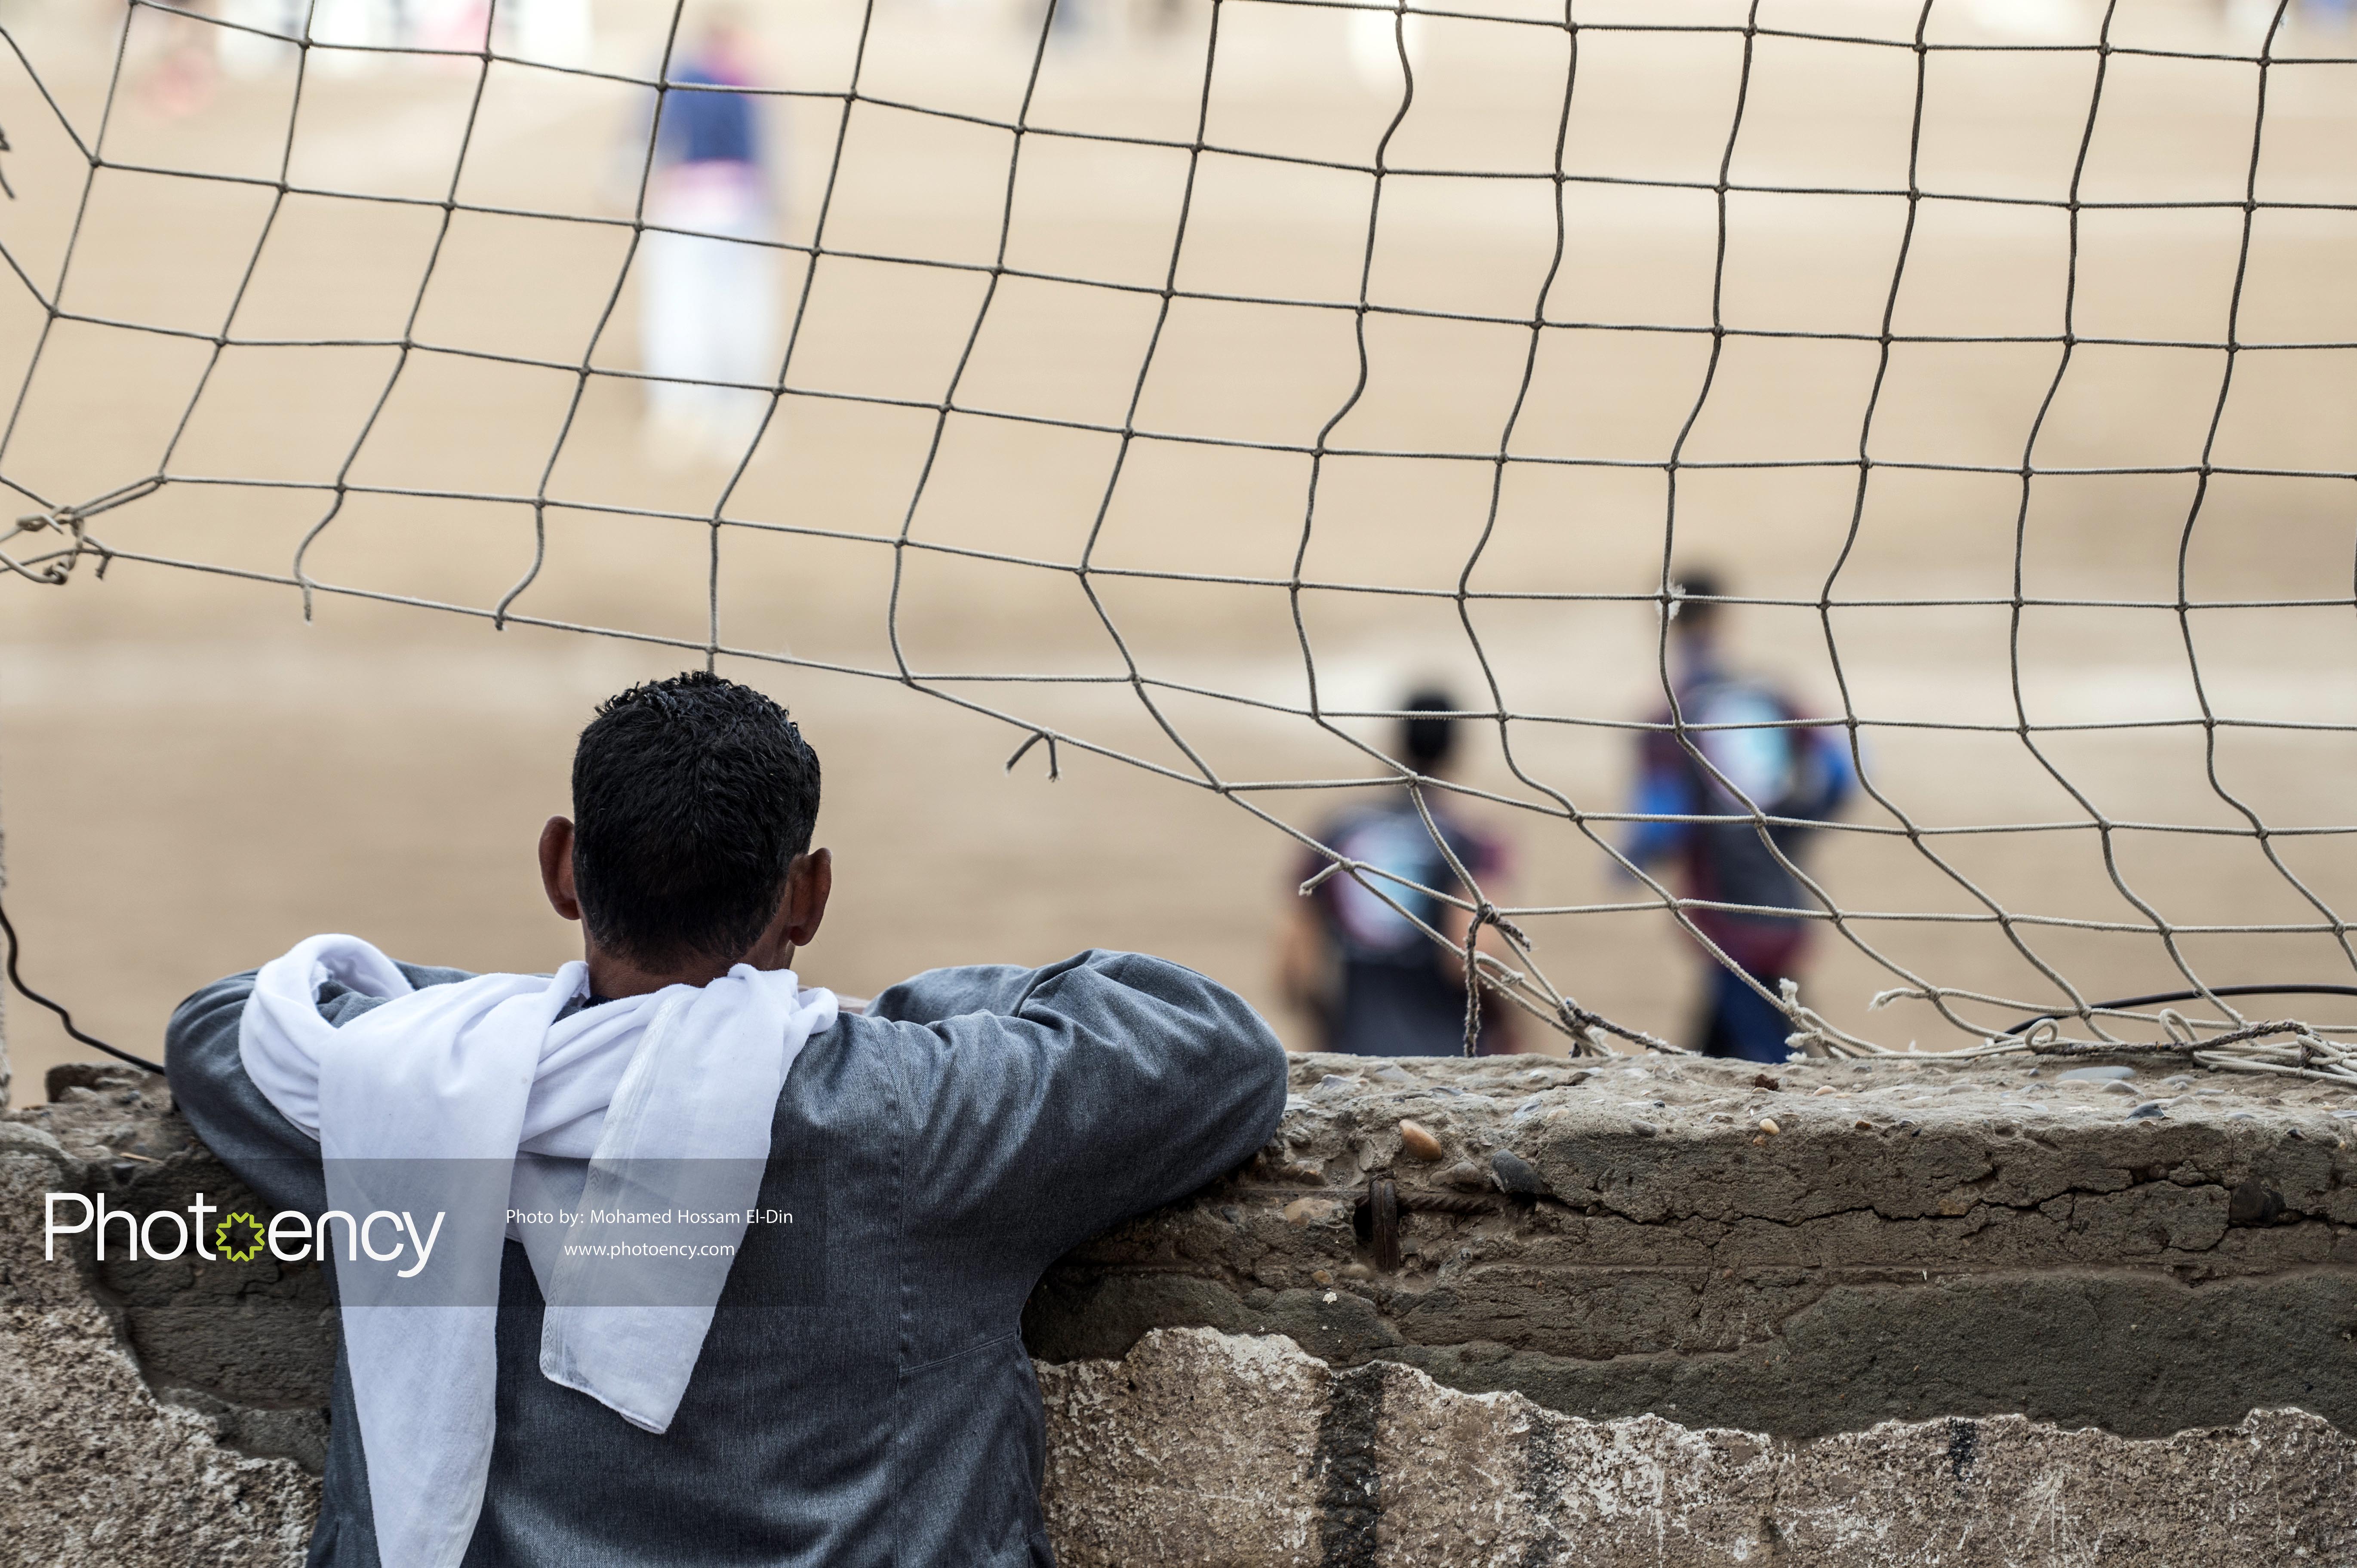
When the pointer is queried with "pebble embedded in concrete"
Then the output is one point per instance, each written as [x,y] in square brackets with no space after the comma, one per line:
[1417,1142]
[1515,1176]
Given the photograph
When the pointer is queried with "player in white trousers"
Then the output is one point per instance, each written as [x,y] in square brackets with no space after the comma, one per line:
[707,300]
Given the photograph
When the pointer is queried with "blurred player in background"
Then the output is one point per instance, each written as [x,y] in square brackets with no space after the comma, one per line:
[1791,772]
[361,35]
[708,306]
[177,52]
[1371,982]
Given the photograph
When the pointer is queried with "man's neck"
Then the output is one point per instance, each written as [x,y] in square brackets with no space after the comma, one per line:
[613,976]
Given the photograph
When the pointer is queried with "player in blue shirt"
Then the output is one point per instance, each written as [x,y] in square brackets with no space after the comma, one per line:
[1785,767]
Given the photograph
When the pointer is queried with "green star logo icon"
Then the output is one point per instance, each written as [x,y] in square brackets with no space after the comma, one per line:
[253,1246]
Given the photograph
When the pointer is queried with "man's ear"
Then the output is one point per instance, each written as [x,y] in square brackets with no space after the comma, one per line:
[808,886]
[557,867]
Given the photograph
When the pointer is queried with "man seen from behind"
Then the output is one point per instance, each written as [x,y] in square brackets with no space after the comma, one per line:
[833,1372]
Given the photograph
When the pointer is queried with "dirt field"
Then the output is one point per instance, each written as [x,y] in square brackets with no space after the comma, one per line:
[194,777]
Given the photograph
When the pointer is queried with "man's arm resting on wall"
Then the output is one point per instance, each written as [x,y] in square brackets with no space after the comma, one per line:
[268,1152]
[1057,1102]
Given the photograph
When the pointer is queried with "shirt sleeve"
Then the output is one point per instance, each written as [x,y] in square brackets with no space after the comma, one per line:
[1051,1103]
[277,1159]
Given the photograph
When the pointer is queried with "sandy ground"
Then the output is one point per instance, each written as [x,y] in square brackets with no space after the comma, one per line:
[194,777]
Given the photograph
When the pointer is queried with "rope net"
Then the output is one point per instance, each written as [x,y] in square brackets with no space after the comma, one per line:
[2001,345]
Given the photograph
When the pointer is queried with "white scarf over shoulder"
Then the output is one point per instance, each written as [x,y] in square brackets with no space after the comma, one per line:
[411,1099]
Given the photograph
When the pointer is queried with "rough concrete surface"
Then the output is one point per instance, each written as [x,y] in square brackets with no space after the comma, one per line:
[1914,1240]
[1144,1455]
[1647,1320]
[95,1469]
[250,1345]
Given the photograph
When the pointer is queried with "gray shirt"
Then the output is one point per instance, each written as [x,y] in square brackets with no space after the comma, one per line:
[864,1396]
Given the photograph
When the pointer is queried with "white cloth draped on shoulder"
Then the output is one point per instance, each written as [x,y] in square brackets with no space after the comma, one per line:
[422,1104]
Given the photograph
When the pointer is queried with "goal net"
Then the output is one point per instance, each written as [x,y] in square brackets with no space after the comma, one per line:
[1184,383]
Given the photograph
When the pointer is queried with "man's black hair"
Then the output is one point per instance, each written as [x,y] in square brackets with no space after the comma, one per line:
[1427,741]
[691,798]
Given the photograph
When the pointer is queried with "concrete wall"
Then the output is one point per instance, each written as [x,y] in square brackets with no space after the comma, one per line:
[1935,1316]
[1202,1448]
[1914,1241]
[94,1467]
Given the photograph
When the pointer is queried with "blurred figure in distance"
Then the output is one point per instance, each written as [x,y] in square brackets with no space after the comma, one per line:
[1785,769]
[707,302]
[1371,982]
[176,51]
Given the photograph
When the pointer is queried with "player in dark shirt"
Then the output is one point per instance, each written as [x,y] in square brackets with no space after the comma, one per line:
[1787,770]
[1373,983]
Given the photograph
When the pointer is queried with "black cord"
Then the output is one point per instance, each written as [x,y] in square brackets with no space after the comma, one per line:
[2163,996]
[63,1016]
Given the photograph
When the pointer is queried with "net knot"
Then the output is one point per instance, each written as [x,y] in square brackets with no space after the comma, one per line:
[1813,1034]
[53,569]
[1588,1029]
[1484,914]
